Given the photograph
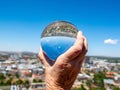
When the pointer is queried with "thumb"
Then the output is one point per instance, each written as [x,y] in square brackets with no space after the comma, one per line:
[76,49]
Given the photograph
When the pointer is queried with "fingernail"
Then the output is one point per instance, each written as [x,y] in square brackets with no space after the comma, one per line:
[79,32]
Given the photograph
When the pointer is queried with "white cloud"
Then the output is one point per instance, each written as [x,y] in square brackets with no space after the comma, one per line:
[111,41]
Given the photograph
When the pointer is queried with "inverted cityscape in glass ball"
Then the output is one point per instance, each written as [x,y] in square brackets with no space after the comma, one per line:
[57,38]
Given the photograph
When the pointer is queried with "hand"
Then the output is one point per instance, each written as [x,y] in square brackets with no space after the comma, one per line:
[61,74]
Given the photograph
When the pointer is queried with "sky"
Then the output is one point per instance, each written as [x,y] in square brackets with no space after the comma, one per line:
[22,22]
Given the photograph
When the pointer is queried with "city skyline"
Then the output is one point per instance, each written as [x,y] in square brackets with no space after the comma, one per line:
[22,22]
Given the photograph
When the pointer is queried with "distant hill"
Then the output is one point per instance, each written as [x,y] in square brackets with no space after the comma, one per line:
[11,52]
[106,57]
[28,53]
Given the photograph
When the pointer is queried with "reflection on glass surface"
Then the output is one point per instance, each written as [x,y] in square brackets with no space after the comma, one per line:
[57,38]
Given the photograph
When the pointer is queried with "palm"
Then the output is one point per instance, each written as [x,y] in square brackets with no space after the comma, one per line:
[65,72]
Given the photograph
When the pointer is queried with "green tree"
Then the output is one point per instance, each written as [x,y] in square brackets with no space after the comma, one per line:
[81,88]
[40,80]
[34,80]
[1,82]
[88,83]
[116,88]
[26,83]
[19,81]
[37,81]
[9,75]
[17,75]
[96,88]
[8,82]
[2,77]
[98,79]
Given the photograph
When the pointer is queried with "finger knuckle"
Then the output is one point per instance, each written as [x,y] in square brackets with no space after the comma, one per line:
[77,49]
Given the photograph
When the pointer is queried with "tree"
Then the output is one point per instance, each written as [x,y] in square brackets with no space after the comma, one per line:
[8,82]
[88,83]
[40,80]
[95,88]
[2,77]
[26,83]
[19,81]
[98,79]
[1,82]
[116,88]
[82,87]
[37,81]
[34,80]
[17,75]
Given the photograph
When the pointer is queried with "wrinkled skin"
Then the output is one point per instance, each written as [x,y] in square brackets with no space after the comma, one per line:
[61,74]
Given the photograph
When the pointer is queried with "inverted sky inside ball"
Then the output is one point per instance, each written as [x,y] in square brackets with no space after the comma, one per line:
[57,38]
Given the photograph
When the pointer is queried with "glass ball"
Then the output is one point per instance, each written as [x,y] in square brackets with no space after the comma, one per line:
[57,38]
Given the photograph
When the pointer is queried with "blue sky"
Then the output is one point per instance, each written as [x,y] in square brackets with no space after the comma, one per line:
[22,21]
